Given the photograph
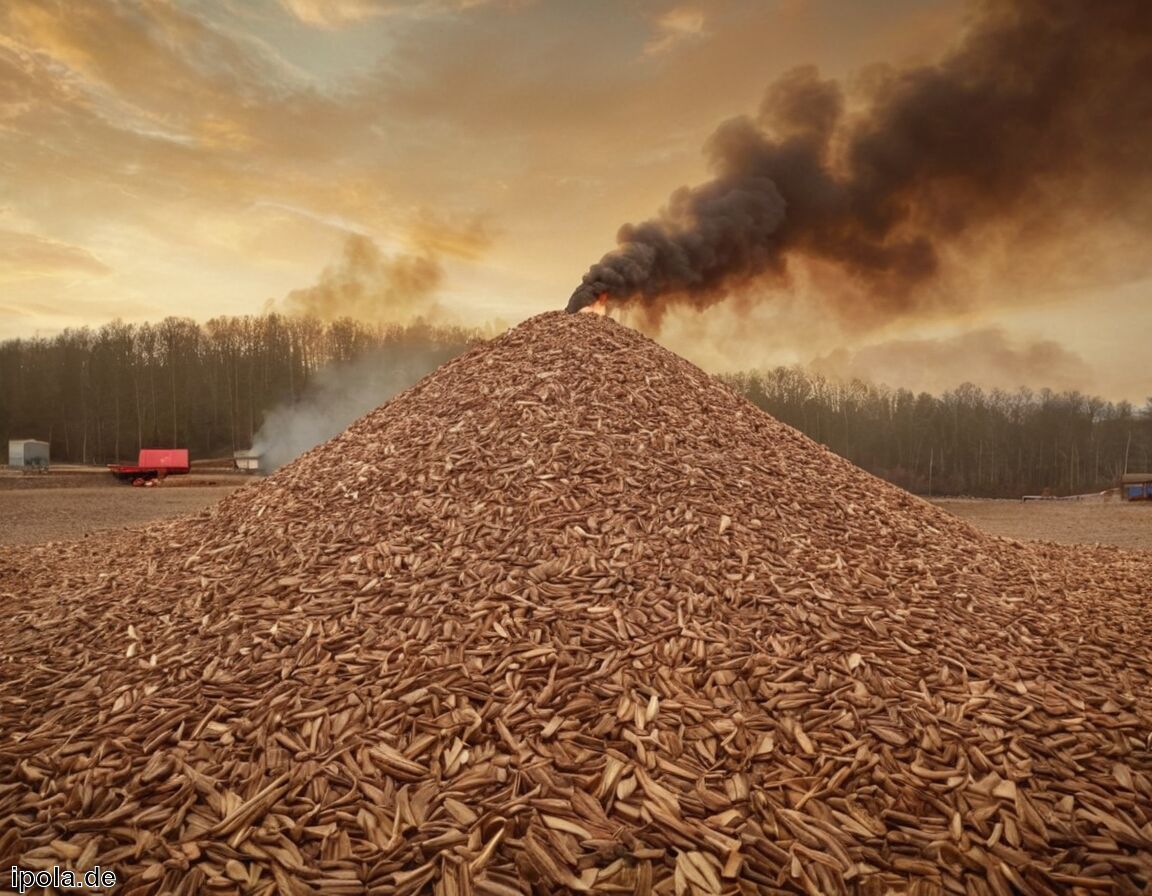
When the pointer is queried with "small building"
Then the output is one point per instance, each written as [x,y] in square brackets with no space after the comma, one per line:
[246,461]
[28,454]
[1136,486]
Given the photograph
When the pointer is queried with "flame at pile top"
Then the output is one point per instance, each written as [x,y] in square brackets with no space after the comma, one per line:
[599,305]
[1035,125]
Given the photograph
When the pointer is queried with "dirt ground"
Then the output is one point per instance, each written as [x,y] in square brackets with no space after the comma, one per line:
[68,504]
[74,502]
[1126,524]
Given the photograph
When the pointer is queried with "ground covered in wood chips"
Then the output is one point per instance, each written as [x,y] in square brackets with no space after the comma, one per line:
[569,616]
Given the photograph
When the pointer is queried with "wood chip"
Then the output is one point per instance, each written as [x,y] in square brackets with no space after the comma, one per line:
[569,616]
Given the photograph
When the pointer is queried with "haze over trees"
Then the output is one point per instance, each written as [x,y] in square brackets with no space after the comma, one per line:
[966,441]
[100,395]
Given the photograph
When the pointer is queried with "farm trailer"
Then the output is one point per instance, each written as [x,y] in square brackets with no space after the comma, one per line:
[153,463]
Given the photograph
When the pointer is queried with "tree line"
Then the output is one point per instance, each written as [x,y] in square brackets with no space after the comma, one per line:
[967,441]
[99,395]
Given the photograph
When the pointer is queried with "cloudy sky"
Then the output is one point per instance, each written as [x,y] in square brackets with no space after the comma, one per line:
[469,159]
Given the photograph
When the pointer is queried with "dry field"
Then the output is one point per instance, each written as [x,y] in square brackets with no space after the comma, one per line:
[73,503]
[67,505]
[1113,522]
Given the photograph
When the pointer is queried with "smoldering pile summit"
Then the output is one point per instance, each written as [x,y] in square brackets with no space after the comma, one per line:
[1042,111]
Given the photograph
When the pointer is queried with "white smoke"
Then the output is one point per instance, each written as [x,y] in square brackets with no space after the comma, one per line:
[339,394]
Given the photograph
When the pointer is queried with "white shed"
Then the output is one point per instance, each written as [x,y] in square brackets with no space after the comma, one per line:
[247,461]
[27,454]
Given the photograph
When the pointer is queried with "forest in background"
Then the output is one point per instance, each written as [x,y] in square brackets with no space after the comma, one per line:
[99,395]
[967,441]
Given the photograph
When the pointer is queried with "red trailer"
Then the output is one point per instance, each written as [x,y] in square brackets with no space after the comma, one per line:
[153,463]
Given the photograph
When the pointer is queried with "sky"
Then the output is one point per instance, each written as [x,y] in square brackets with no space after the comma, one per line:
[468,160]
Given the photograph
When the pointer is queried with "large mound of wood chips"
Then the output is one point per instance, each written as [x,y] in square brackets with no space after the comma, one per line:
[569,616]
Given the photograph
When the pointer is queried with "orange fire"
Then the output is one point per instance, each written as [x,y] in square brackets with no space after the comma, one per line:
[600,306]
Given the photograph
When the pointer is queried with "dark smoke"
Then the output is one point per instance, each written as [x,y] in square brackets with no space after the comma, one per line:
[1041,117]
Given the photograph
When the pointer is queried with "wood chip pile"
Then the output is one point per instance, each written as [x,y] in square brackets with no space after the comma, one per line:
[569,616]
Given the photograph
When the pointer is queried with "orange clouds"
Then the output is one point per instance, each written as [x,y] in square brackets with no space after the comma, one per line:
[435,234]
[335,13]
[25,255]
[157,156]
[342,13]
[673,27]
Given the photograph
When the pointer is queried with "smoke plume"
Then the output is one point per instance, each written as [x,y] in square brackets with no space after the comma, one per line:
[396,291]
[989,358]
[367,285]
[342,392]
[1036,125]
